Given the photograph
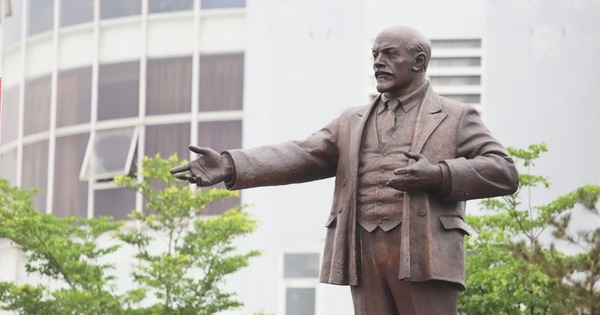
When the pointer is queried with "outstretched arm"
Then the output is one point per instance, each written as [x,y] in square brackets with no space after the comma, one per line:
[210,168]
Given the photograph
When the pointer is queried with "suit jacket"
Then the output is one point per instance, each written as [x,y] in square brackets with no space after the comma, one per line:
[433,227]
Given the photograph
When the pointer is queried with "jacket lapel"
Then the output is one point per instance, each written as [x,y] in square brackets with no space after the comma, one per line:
[429,117]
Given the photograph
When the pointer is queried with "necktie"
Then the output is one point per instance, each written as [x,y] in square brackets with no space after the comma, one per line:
[389,121]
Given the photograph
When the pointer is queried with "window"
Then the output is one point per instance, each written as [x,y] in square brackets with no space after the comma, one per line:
[10,112]
[37,105]
[118,8]
[455,69]
[8,166]
[70,193]
[41,16]
[118,90]
[110,153]
[169,86]
[221,82]
[76,11]
[300,265]
[35,172]
[300,273]
[222,4]
[74,97]
[300,301]
[12,21]
[169,5]
[114,201]
[167,140]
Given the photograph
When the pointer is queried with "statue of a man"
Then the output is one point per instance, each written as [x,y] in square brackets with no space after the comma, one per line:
[404,166]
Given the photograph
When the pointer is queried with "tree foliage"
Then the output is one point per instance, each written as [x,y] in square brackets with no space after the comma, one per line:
[182,257]
[516,263]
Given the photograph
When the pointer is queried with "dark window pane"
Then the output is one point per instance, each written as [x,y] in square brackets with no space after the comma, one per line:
[218,4]
[111,153]
[12,21]
[456,62]
[221,82]
[300,301]
[169,5]
[74,97]
[301,266]
[76,11]
[118,90]
[10,114]
[456,80]
[37,105]
[8,166]
[455,43]
[118,8]
[220,135]
[465,98]
[169,86]
[35,171]
[70,194]
[115,202]
[167,140]
[41,14]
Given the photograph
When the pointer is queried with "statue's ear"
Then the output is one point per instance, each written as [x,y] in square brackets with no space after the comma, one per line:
[420,61]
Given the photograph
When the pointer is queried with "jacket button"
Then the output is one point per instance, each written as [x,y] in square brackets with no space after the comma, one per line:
[422,212]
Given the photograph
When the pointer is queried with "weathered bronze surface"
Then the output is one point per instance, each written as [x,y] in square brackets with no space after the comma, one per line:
[404,167]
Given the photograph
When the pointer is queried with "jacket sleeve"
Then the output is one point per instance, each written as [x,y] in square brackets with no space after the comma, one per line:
[482,167]
[286,163]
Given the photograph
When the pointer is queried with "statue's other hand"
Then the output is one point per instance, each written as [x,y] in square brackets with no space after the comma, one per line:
[419,176]
[207,170]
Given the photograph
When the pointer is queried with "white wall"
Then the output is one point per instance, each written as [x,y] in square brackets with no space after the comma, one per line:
[541,66]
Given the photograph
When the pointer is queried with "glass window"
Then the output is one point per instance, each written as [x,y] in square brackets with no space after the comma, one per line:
[169,86]
[74,97]
[300,265]
[455,62]
[8,166]
[118,8]
[455,43]
[300,301]
[70,193]
[110,153]
[465,98]
[12,21]
[116,202]
[455,80]
[167,140]
[169,5]
[41,16]
[222,4]
[35,172]
[221,82]
[76,11]
[118,90]
[37,105]
[10,113]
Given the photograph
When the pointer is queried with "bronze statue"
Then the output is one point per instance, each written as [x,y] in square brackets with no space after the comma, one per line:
[404,167]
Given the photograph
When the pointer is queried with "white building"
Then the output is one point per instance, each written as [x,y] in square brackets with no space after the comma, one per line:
[71,76]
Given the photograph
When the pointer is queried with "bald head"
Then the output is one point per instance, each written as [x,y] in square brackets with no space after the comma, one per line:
[413,41]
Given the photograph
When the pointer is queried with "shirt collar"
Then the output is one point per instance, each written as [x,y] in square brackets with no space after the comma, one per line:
[407,102]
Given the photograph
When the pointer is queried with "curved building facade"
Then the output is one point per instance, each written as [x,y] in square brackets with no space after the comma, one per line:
[90,87]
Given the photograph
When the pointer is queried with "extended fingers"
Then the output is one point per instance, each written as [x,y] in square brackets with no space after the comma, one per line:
[181,168]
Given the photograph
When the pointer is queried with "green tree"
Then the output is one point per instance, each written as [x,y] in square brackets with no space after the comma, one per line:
[63,253]
[510,269]
[185,275]
[183,257]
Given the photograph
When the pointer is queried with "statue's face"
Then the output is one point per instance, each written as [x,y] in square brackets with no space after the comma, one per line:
[393,64]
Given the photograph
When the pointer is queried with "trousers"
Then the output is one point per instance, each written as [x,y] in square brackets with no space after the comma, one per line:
[380,292]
